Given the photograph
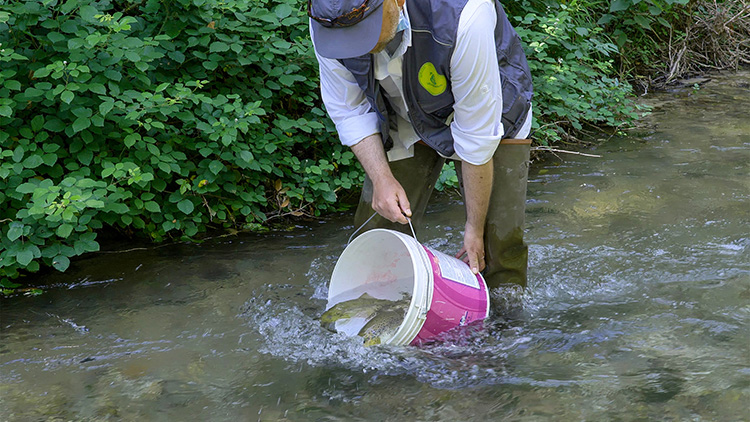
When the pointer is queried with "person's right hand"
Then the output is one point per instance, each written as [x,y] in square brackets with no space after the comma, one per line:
[388,196]
[390,201]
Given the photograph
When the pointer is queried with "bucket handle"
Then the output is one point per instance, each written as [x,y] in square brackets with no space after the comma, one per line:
[371,217]
[422,309]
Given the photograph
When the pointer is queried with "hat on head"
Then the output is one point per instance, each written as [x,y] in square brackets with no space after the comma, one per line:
[343,29]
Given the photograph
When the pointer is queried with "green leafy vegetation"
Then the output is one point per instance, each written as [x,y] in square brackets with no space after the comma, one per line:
[156,118]
[572,61]
[165,119]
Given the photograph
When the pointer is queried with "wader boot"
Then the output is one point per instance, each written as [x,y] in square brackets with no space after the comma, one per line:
[417,176]
[506,254]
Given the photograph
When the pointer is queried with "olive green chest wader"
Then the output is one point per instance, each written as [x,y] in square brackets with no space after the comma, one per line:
[429,99]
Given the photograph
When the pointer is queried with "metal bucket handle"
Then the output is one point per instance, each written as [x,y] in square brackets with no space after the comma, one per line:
[371,217]
[421,308]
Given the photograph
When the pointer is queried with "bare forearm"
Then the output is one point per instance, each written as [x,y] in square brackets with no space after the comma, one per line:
[371,155]
[477,189]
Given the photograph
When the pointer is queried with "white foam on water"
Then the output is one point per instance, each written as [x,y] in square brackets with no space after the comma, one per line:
[295,335]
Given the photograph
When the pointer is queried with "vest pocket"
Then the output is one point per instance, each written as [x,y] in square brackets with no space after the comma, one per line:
[515,108]
[440,106]
[510,94]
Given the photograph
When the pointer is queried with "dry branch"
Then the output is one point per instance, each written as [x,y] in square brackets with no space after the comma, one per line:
[717,39]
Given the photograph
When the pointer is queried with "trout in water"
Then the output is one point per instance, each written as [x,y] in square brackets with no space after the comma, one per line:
[377,319]
[382,326]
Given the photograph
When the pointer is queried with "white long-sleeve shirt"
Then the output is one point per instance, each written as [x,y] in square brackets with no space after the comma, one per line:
[475,83]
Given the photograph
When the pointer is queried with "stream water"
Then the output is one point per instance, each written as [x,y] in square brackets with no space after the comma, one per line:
[638,306]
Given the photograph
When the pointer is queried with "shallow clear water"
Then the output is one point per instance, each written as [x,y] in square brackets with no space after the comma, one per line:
[638,306]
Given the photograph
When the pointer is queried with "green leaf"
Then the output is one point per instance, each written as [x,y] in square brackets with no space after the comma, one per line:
[37,123]
[55,125]
[15,230]
[33,161]
[287,80]
[273,85]
[97,88]
[246,156]
[152,206]
[619,5]
[218,47]
[131,139]
[73,43]
[81,123]
[329,196]
[85,245]
[68,6]
[654,10]
[26,188]
[13,85]
[6,111]
[106,107]
[33,92]
[113,74]
[283,10]
[61,263]
[94,203]
[67,96]
[88,13]
[42,72]
[85,156]
[267,17]
[64,230]
[132,56]
[216,166]
[177,56]
[186,206]
[49,159]
[643,21]
[290,21]
[25,256]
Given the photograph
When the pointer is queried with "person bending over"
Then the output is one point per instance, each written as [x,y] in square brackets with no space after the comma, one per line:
[411,83]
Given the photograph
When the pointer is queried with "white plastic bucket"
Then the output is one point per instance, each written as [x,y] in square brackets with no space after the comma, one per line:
[387,264]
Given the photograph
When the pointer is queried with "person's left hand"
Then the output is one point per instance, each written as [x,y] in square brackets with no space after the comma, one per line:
[473,249]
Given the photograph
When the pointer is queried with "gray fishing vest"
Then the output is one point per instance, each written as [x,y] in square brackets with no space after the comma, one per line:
[427,75]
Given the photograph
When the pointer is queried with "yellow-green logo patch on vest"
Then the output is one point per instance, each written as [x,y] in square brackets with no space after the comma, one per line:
[431,80]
